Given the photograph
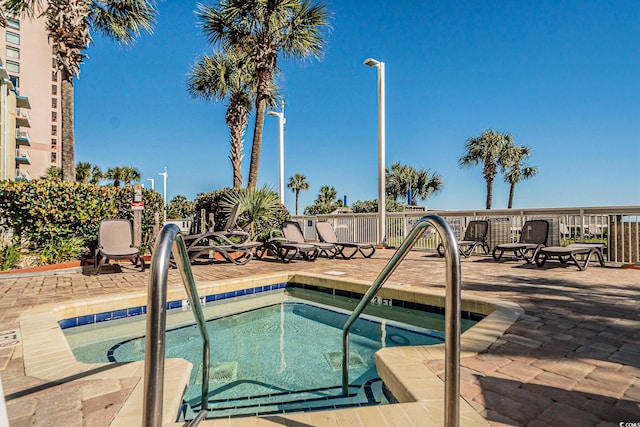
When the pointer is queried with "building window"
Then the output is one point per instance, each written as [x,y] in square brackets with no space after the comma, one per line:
[54,157]
[54,144]
[54,130]
[54,102]
[54,63]
[13,66]
[13,52]
[54,116]
[54,76]
[13,23]
[13,38]
[15,80]
[54,89]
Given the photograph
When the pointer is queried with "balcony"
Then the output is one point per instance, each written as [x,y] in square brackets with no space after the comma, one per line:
[23,175]
[22,118]
[22,102]
[22,157]
[22,138]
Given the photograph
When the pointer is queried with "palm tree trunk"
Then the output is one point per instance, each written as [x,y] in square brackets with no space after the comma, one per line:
[236,156]
[68,147]
[489,193]
[297,194]
[261,107]
[512,191]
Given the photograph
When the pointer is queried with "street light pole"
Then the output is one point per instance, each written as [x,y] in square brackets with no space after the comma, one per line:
[153,182]
[164,175]
[281,122]
[381,148]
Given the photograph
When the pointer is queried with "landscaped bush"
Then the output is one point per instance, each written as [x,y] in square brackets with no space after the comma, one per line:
[44,214]
[261,209]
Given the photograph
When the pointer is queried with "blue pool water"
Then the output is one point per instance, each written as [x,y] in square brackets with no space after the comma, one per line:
[291,347]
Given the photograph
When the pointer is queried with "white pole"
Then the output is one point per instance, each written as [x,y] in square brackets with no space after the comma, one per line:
[281,122]
[164,193]
[381,149]
[153,187]
[382,206]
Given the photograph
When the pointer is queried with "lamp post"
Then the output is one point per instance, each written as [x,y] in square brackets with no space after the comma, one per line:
[153,183]
[381,148]
[281,122]
[164,175]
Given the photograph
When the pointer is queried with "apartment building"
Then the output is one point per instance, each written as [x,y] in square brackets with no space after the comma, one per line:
[30,65]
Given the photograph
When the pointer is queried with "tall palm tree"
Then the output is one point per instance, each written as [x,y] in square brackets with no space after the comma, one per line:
[69,24]
[327,196]
[490,148]
[221,75]
[425,185]
[297,183]
[264,29]
[516,170]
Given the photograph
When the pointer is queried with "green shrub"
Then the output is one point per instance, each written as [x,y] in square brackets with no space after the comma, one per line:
[42,213]
[56,251]
[9,256]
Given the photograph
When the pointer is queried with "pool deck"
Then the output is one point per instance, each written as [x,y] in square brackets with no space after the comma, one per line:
[572,359]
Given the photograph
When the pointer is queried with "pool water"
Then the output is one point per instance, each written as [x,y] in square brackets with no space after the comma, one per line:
[291,348]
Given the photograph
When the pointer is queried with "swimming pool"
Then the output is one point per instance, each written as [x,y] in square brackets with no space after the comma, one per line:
[281,350]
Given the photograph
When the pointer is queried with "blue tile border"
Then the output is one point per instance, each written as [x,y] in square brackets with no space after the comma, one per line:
[171,305]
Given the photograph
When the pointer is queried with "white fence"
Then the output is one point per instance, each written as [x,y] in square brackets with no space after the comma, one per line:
[616,226]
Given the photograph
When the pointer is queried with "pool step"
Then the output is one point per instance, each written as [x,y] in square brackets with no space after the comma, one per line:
[367,394]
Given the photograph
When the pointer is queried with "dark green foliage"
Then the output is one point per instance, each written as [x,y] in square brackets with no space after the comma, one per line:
[9,256]
[260,210]
[43,213]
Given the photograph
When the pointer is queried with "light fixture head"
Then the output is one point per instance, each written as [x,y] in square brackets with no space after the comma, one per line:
[371,62]
[272,113]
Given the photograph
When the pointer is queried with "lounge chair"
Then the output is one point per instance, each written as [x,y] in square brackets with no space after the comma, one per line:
[569,252]
[115,241]
[286,250]
[293,234]
[475,235]
[232,243]
[532,237]
[327,234]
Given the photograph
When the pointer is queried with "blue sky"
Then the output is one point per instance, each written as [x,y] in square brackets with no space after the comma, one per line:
[560,76]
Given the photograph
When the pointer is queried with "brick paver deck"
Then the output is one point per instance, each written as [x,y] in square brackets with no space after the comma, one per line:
[573,358]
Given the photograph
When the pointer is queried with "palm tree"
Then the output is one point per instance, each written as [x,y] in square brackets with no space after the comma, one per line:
[327,196]
[130,174]
[227,74]
[53,173]
[96,175]
[116,174]
[263,30]
[69,23]
[489,149]
[258,207]
[425,185]
[402,178]
[180,207]
[83,171]
[516,171]
[297,183]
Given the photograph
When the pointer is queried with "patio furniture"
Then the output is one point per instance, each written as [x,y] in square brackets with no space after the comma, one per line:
[569,252]
[327,234]
[293,234]
[286,251]
[532,237]
[475,235]
[115,241]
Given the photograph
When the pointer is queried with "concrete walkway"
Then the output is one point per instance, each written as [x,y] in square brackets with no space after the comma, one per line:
[573,359]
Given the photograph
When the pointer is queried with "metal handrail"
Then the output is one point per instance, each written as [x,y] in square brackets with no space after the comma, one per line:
[170,240]
[452,312]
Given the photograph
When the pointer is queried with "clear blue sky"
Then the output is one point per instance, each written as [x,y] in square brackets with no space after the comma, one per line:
[561,76]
